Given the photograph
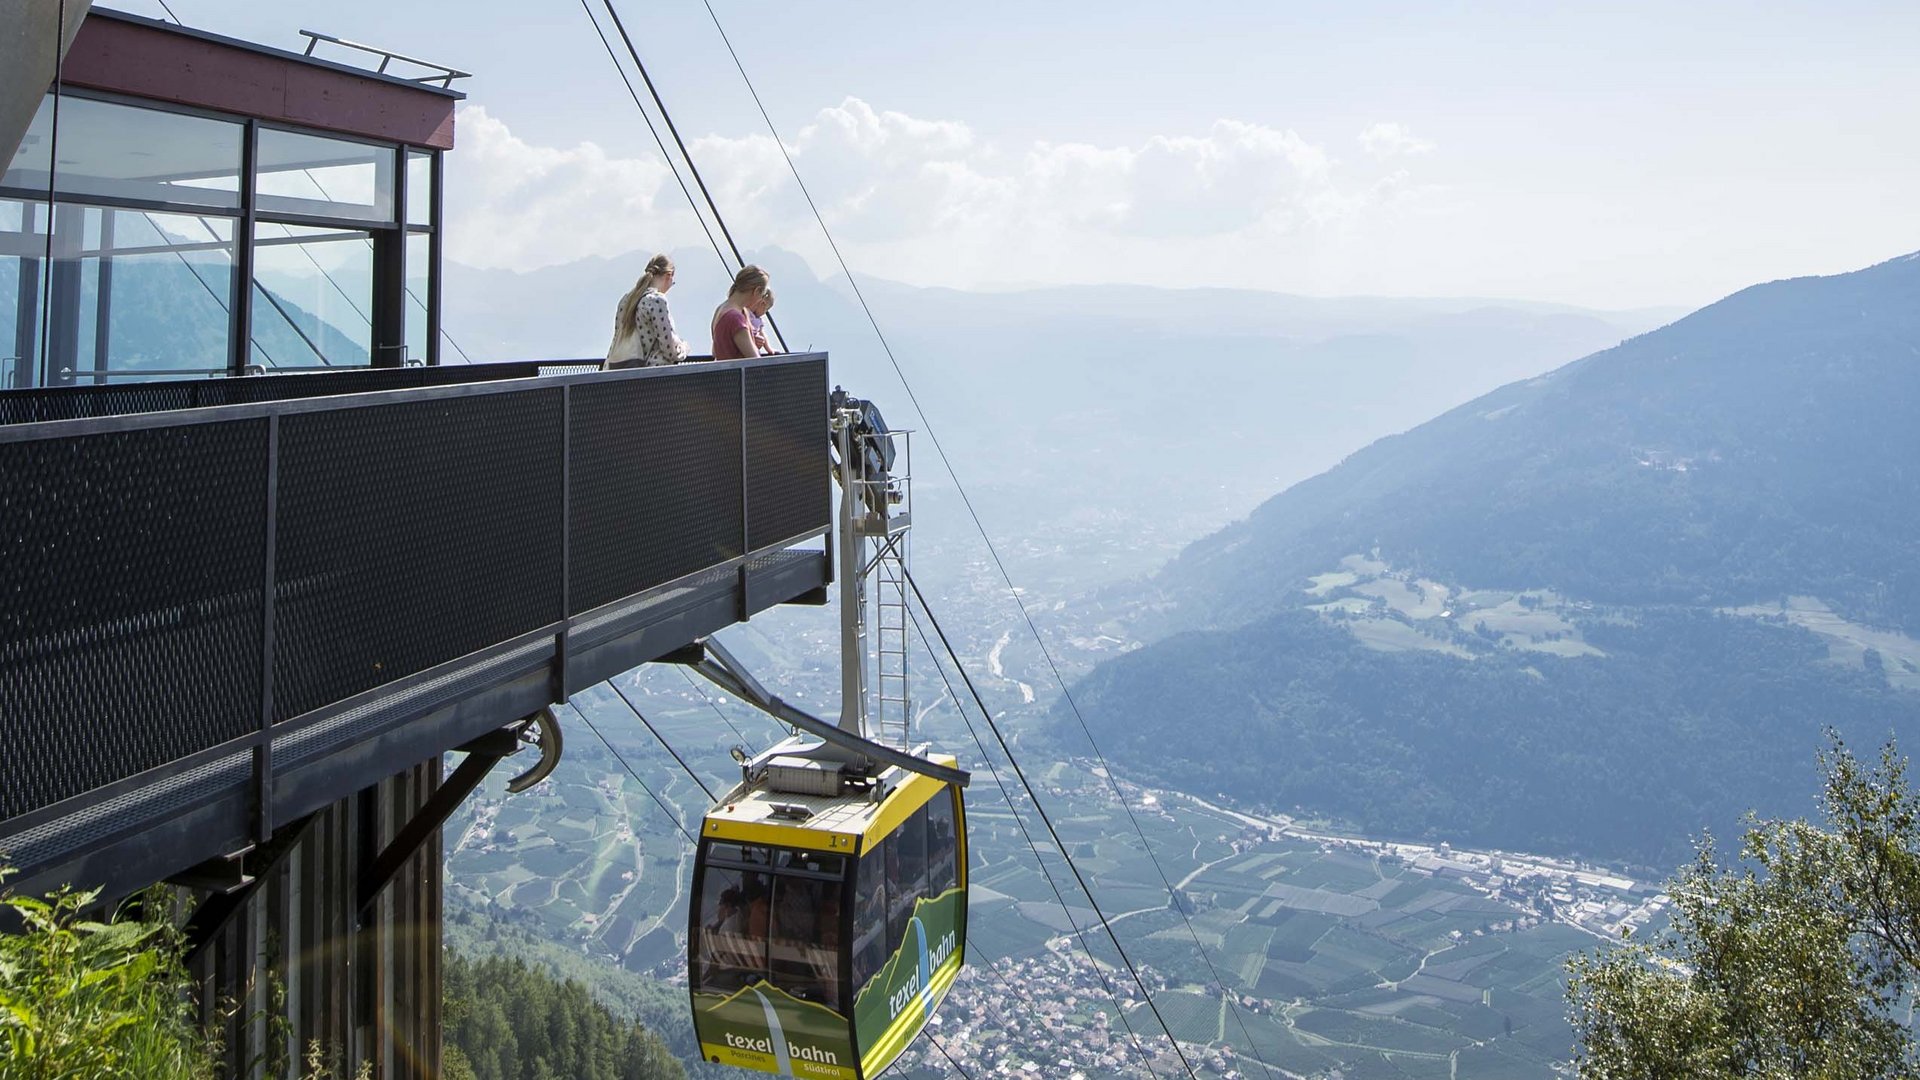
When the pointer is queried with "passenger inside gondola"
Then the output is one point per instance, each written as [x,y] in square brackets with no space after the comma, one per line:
[772,914]
[803,963]
[870,942]
[906,875]
[733,920]
[942,850]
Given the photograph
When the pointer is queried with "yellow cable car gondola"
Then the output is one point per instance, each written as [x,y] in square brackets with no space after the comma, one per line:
[824,931]
[829,899]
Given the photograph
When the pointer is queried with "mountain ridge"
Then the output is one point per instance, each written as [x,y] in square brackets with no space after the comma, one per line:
[1564,593]
[1684,447]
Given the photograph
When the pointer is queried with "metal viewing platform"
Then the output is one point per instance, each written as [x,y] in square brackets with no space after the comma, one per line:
[226,604]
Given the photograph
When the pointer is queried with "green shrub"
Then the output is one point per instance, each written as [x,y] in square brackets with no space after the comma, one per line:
[85,1000]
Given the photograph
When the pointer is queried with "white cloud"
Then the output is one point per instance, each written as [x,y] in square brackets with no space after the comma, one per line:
[930,201]
[514,205]
[1392,140]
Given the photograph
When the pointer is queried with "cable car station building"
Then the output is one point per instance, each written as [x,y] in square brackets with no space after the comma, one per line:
[264,560]
[216,206]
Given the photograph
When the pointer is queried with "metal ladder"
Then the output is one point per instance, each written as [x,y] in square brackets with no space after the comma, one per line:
[892,638]
[878,516]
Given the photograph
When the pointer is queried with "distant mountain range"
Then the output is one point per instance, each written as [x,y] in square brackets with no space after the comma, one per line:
[171,313]
[1147,416]
[1595,610]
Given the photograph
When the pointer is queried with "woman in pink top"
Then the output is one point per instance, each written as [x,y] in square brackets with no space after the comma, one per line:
[732,324]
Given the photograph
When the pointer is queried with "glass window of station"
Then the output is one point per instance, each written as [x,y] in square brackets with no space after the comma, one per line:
[154,242]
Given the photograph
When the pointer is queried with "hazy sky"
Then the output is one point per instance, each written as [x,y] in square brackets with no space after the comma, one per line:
[1610,155]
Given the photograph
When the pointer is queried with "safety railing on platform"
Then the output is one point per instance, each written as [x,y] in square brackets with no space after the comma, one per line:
[179,581]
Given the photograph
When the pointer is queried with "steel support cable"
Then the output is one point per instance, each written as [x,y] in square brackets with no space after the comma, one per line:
[188,263]
[926,421]
[657,140]
[312,345]
[947,464]
[1012,991]
[315,181]
[711,704]
[1020,822]
[443,333]
[1134,821]
[674,130]
[658,801]
[337,287]
[640,716]
[1047,820]
[287,317]
[1173,897]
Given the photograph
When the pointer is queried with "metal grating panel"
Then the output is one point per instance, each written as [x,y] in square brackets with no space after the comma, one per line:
[655,482]
[412,534]
[127,812]
[787,480]
[72,403]
[83,402]
[130,625]
[372,717]
[635,612]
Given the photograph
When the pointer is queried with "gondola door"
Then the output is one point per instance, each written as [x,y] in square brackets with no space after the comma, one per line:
[765,968]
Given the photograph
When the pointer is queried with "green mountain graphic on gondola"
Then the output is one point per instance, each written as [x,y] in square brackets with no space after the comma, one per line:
[763,1027]
[784,1000]
[936,915]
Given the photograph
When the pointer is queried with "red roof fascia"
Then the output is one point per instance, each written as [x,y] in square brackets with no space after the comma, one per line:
[146,60]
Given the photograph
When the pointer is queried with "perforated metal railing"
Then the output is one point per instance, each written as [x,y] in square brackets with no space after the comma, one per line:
[84,402]
[181,583]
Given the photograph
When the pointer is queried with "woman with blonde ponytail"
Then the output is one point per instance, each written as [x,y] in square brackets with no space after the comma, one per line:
[642,326]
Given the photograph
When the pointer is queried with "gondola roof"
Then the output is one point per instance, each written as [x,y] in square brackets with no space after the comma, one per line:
[846,823]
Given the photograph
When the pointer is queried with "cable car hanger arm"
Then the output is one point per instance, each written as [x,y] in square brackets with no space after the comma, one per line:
[711,659]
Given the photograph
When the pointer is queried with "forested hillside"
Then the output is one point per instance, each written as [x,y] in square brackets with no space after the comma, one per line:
[1592,612]
[507,1019]
[1690,720]
[498,940]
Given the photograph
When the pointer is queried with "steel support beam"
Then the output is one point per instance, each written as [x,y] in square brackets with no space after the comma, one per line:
[482,755]
[713,661]
[213,913]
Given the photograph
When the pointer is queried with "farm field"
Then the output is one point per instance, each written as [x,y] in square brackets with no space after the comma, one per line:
[1331,957]
[1336,959]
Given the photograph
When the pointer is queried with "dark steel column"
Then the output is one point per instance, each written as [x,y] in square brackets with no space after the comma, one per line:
[263,746]
[63,309]
[562,686]
[240,281]
[390,275]
[746,481]
[103,292]
[26,330]
[433,262]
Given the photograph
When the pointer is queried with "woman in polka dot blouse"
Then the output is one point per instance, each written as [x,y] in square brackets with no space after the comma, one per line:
[643,334]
